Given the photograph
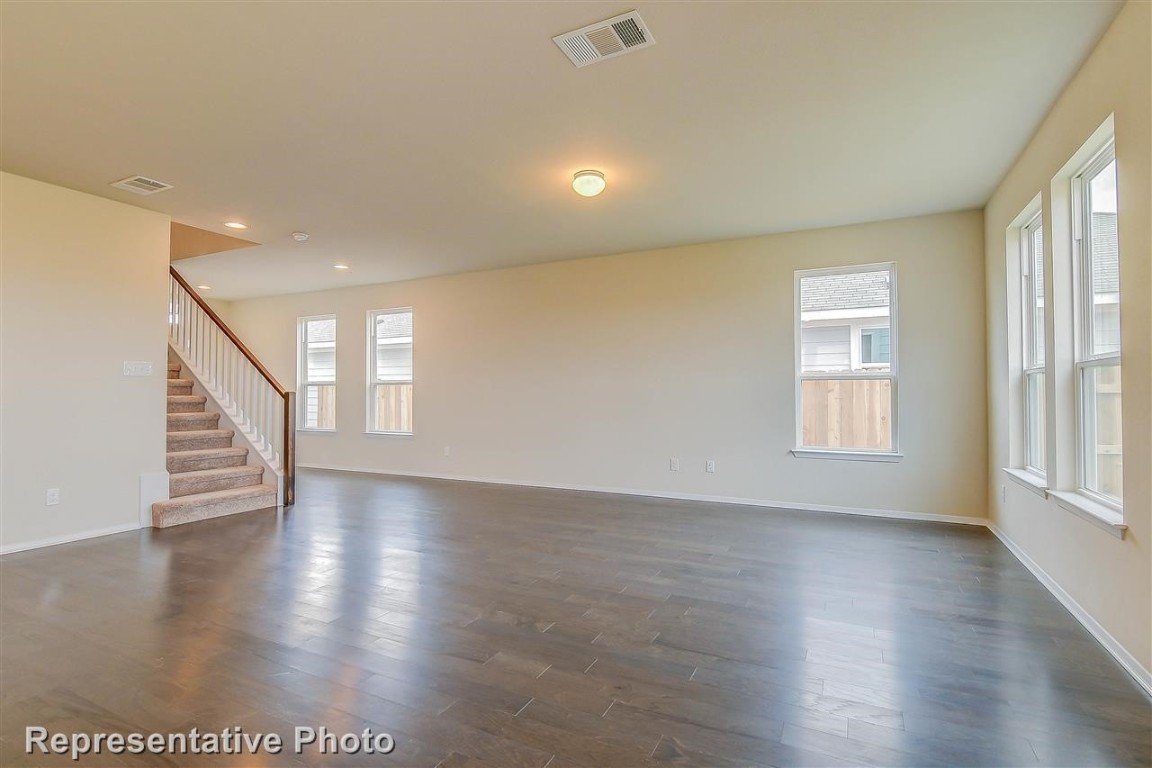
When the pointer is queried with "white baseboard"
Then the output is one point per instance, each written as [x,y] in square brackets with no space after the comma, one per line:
[889,513]
[1131,665]
[68,538]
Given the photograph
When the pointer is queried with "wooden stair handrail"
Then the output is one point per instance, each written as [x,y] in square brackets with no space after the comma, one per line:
[228,332]
[288,453]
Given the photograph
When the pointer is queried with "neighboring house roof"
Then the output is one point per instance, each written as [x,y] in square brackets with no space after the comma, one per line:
[322,330]
[851,291]
[393,325]
[1105,261]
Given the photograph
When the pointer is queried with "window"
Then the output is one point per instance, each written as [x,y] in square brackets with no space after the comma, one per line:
[390,371]
[317,372]
[846,361]
[1032,315]
[875,346]
[1097,316]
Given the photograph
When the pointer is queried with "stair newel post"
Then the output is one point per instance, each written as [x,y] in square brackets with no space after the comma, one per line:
[288,452]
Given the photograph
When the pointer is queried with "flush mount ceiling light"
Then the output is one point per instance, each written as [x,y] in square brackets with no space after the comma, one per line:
[300,236]
[588,183]
[204,287]
[235,225]
[340,266]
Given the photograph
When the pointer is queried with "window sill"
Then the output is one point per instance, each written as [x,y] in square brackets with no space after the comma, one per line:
[1100,515]
[389,434]
[1029,479]
[314,431]
[817,453]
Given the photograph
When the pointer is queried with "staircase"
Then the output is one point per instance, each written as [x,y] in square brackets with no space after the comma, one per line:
[207,476]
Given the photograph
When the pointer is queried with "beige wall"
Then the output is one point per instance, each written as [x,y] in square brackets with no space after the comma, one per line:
[1109,578]
[219,306]
[593,373]
[83,288]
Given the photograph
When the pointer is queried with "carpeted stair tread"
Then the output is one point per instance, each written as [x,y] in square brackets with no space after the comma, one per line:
[219,479]
[202,506]
[231,493]
[206,458]
[194,439]
[190,422]
[186,403]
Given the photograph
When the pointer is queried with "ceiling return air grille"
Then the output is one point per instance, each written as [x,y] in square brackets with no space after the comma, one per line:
[141,185]
[606,39]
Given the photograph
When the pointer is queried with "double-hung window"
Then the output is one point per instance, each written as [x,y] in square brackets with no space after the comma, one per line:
[1097,339]
[390,371]
[316,365]
[846,362]
[1032,283]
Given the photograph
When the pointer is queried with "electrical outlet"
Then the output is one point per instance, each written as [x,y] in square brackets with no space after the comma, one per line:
[447,451]
[52,497]
[709,466]
[673,464]
[1003,493]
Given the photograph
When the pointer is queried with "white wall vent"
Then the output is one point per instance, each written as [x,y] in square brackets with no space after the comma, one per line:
[141,185]
[606,39]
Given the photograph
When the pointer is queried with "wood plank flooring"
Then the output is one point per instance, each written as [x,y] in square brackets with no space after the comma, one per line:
[496,626]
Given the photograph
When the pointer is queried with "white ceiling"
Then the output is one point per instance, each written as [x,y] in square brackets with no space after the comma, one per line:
[413,139]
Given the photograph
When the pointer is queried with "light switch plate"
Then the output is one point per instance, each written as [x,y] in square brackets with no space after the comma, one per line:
[137,368]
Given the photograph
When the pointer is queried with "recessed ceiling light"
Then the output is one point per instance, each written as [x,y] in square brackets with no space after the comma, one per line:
[300,236]
[588,183]
[235,225]
[204,287]
[340,266]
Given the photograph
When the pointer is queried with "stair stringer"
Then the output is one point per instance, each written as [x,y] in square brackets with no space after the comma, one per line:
[230,418]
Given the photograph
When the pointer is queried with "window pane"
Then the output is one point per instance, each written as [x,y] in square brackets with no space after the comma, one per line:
[320,349]
[391,365]
[321,362]
[875,346]
[833,307]
[1101,438]
[851,414]
[320,406]
[826,348]
[393,334]
[392,408]
[1105,257]
[1036,299]
[1106,327]
[393,361]
[1035,421]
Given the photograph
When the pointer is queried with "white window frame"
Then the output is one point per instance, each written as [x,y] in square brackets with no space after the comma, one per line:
[373,382]
[1030,365]
[302,381]
[1083,314]
[801,451]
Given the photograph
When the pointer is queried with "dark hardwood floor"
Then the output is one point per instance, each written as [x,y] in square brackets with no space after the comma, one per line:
[486,625]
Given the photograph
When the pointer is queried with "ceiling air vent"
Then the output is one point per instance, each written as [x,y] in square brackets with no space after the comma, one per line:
[141,185]
[606,39]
